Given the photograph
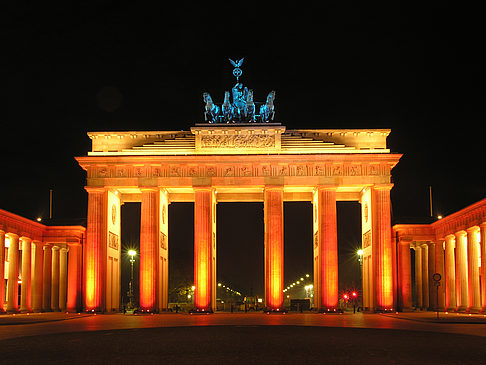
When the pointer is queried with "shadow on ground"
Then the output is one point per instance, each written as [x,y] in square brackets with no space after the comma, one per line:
[245,344]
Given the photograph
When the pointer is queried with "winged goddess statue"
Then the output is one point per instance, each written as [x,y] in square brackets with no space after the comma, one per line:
[237,70]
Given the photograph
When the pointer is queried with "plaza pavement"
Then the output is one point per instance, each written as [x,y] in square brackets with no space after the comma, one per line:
[243,338]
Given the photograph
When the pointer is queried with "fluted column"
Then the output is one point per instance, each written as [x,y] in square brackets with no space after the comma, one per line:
[473,270]
[74,294]
[418,277]
[327,249]
[431,271]
[149,234]
[94,267]
[482,232]
[461,271]
[47,276]
[37,275]
[13,273]
[204,275]
[63,260]
[405,270]
[450,273]
[425,276]
[382,252]
[25,288]
[439,268]
[2,270]
[55,279]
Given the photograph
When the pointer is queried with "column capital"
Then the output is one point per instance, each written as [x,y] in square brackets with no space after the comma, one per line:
[460,233]
[25,239]
[383,186]
[404,241]
[55,248]
[95,189]
[12,235]
[326,187]
[273,187]
[149,188]
[450,237]
[482,225]
[472,229]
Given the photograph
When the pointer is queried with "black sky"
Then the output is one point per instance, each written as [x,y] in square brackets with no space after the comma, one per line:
[70,69]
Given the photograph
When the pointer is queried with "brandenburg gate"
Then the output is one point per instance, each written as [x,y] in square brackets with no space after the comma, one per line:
[241,162]
[238,155]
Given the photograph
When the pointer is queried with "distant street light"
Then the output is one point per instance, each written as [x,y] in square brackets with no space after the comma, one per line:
[132,254]
[360,255]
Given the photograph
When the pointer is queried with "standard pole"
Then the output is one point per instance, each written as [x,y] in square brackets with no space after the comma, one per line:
[50,203]
[131,282]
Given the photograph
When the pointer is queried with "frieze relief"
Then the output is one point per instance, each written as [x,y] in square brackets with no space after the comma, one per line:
[238,170]
[113,241]
[238,141]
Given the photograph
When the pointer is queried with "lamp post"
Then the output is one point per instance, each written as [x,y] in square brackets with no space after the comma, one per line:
[132,254]
[360,260]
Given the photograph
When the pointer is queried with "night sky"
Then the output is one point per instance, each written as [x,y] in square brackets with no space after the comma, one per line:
[69,69]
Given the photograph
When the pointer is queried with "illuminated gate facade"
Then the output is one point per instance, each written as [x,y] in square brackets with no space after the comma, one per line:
[252,162]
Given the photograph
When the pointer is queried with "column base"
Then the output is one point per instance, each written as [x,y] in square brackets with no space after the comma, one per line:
[406,309]
[474,310]
[461,309]
[201,311]
[384,310]
[330,310]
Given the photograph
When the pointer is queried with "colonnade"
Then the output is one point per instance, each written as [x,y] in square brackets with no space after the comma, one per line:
[460,260]
[49,276]
[100,278]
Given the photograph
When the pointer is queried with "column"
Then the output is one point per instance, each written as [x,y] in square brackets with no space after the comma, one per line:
[37,275]
[55,279]
[148,249]
[13,273]
[418,277]
[163,257]
[382,247]
[74,294]
[431,271]
[62,278]
[450,273]
[25,288]
[482,233]
[46,282]
[461,271]
[2,270]
[439,268]
[95,251]
[425,276]
[204,275]
[405,270]
[327,249]
[473,270]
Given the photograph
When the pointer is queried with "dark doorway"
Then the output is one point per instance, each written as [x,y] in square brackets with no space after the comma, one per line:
[240,250]
[130,238]
[181,252]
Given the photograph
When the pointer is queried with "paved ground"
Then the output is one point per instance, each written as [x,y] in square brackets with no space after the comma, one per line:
[243,338]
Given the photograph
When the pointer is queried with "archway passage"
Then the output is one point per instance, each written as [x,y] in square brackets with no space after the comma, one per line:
[349,242]
[130,238]
[181,255]
[240,253]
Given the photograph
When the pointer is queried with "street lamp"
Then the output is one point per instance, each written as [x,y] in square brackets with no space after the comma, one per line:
[132,254]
